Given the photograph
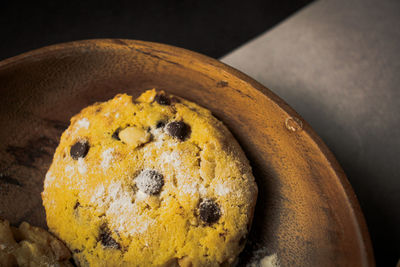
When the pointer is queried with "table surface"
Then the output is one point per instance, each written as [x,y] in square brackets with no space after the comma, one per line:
[337,63]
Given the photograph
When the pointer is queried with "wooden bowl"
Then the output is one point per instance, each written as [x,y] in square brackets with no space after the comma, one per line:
[306,212]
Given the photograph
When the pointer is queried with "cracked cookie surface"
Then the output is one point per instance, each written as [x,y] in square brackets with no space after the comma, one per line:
[156,181]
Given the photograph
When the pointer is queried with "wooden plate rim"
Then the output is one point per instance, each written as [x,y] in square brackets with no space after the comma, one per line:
[56,49]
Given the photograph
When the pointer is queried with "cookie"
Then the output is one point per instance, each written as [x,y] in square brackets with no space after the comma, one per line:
[30,246]
[156,181]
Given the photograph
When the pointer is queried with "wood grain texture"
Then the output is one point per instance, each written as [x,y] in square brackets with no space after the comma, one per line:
[307,212]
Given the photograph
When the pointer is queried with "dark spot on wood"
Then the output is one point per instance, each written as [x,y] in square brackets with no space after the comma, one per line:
[222,84]
[34,149]
[9,180]
[156,50]
[150,54]
[119,41]
[27,216]
[243,94]
[58,125]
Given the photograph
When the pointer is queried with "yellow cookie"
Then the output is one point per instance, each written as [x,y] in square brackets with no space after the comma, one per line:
[157,181]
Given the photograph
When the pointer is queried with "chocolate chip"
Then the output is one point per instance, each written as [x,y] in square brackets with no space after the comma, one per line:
[77,204]
[106,238]
[79,149]
[178,129]
[209,211]
[115,134]
[162,100]
[160,124]
[150,182]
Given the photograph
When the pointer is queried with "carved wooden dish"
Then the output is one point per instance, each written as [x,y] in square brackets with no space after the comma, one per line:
[306,212]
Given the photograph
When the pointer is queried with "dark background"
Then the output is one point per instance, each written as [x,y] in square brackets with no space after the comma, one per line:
[210,27]
[213,28]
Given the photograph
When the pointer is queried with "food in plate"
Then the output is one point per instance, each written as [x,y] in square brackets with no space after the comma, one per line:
[27,246]
[155,181]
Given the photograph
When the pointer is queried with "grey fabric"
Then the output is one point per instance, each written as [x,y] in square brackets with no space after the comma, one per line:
[337,63]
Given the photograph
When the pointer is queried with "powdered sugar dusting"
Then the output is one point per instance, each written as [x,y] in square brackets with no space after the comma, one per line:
[187,183]
[82,167]
[160,135]
[82,123]
[173,158]
[140,196]
[120,207]
[141,228]
[49,179]
[202,190]
[122,213]
[107,158]
[120,200]
[169,159]
[270,261]
[150,182]
[260,259]
[190,189]
[98,194]
[222,189]
[69,170]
